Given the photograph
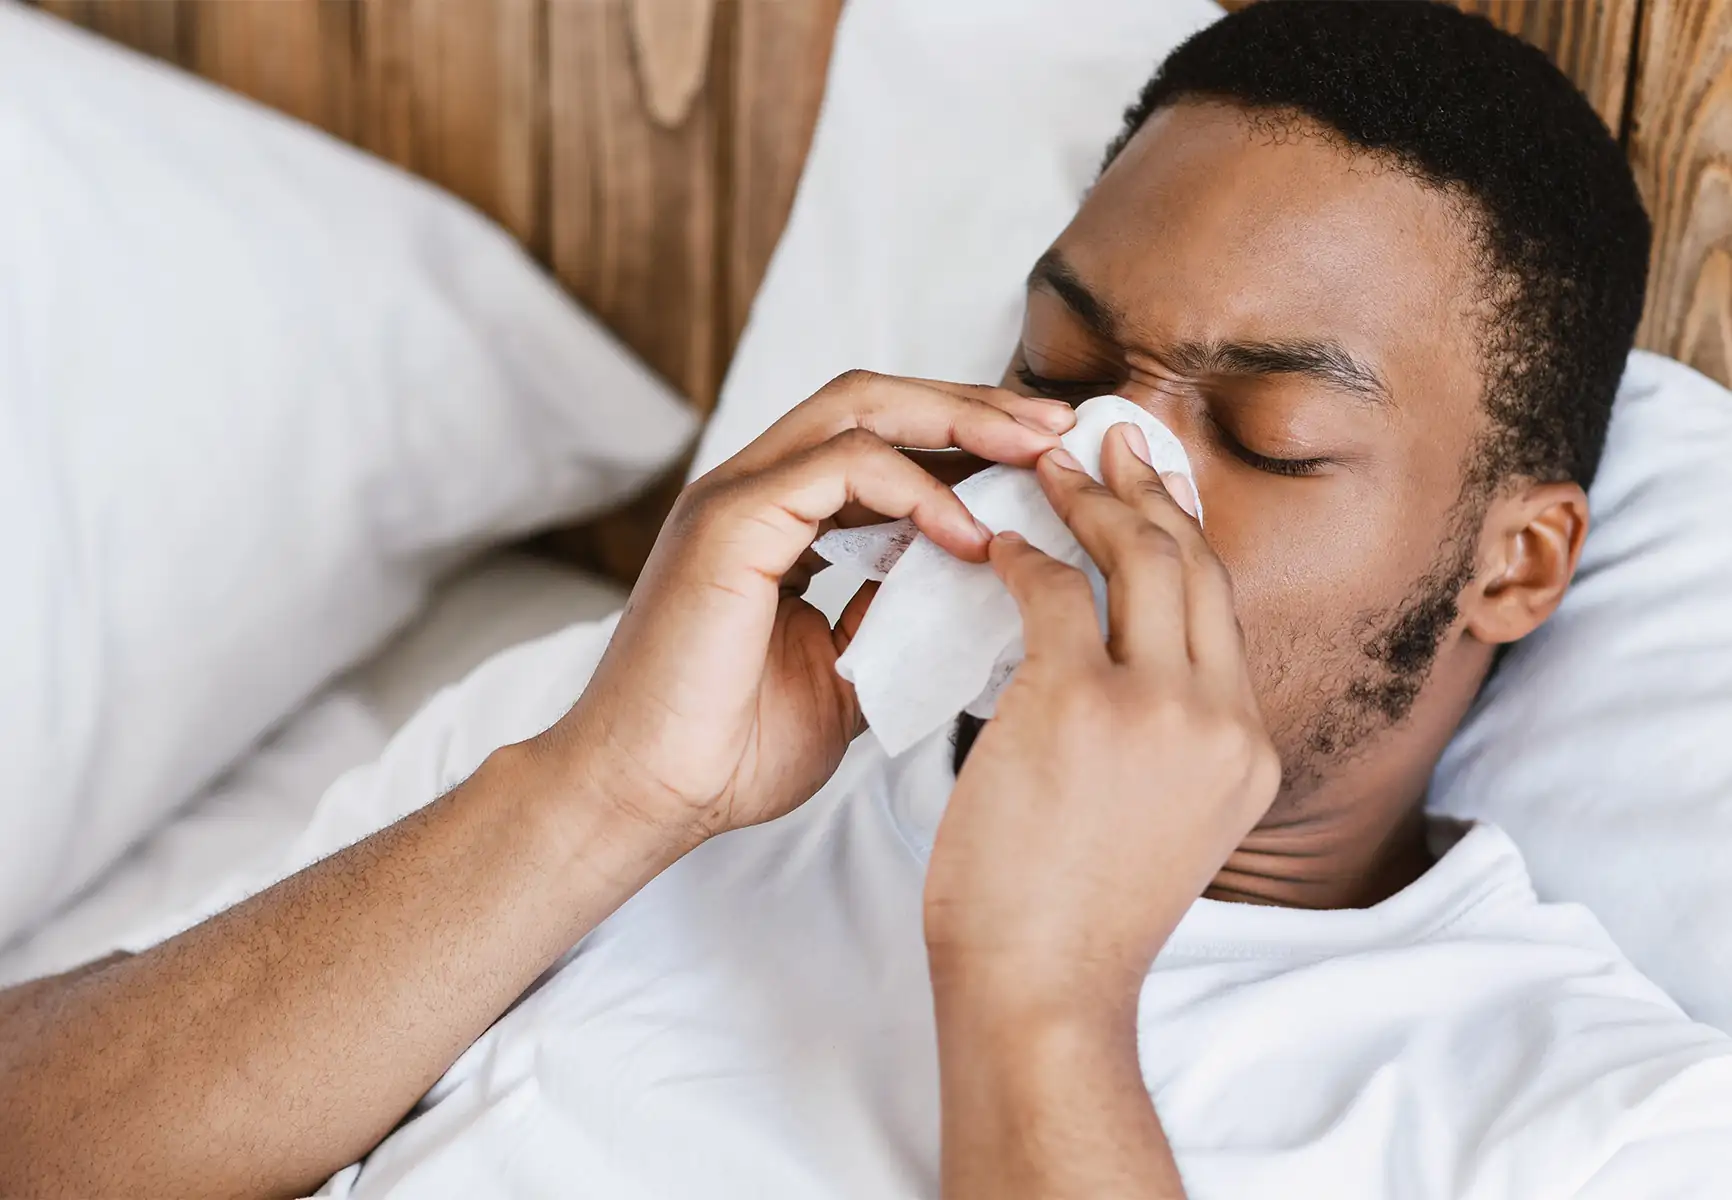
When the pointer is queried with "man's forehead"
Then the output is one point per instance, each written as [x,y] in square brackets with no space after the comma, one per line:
[1324,358]
[1211,231]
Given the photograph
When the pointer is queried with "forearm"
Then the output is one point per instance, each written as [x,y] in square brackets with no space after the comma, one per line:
[268,1047]
[1044,1099]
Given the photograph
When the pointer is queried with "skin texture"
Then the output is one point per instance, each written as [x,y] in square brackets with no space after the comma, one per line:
[258,1053]
[1216,229]
[1117,777]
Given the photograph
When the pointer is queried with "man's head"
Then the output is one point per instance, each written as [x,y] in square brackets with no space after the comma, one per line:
[1378,266]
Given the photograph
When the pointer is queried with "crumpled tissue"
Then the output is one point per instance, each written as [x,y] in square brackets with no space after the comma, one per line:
[943,636]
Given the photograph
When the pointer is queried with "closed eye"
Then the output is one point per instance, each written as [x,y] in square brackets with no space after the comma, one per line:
[1291,467]
[1073,390]
[1076,390]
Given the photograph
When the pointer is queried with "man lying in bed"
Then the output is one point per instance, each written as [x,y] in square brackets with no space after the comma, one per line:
[1379,268]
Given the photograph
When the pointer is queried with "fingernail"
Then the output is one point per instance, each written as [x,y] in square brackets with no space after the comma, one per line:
[1064,458]
[985,531]
[1053,416]
[1011,535]
[1183,494]
[1137,441]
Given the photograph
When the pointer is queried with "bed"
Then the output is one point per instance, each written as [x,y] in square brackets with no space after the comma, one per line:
[647,153]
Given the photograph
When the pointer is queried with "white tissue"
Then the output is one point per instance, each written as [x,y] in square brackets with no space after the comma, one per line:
[943,636]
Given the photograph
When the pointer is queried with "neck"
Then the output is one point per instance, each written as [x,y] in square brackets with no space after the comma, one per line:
[1325,863]
[1358,835]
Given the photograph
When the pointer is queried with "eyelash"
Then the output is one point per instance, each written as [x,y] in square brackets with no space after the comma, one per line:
[1063,389]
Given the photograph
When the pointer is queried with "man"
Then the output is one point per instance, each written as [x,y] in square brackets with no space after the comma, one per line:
[1378,267]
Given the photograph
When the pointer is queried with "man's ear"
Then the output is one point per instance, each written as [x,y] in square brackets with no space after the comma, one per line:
[1529,546]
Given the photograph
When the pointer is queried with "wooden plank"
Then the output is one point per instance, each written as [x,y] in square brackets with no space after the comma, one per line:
[298,56]
[633,140]
[1589,39]
[455,91]
[782,54]
[157,29]
[636,102]
[759,104]
[1681,149]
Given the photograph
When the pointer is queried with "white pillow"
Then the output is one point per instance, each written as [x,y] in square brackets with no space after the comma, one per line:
[950,152]
[954,144]
[240,826]
[256,391]
[1603,744]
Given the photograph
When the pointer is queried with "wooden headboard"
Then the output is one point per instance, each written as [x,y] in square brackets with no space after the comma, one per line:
[647,150]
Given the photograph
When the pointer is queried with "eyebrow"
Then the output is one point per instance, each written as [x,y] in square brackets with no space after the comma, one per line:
[1325,360]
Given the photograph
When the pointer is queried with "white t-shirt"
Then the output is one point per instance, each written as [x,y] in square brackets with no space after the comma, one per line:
[757,1022]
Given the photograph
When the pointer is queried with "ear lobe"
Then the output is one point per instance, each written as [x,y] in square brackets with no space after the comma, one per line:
[1531,543]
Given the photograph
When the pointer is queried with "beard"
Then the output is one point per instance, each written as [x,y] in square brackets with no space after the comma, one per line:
[1363,679]
[1366,677]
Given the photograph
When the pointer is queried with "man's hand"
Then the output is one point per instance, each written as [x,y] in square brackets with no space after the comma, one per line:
[262,1050]
[1118,776]
[718,704]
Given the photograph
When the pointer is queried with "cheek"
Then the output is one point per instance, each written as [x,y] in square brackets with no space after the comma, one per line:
[1313,568]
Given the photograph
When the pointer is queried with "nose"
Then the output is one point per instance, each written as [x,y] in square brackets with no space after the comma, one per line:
[1164,405]
[1180,414]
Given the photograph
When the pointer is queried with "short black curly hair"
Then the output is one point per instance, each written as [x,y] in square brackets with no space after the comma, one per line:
[1559,230]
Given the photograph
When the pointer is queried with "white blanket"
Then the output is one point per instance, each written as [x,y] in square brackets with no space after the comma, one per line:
[757,1022]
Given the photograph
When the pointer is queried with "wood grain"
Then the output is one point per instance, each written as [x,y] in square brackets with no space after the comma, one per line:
[782,55]
[634,197]
[1681,149]
[456,91]
[155,29]
[298,56]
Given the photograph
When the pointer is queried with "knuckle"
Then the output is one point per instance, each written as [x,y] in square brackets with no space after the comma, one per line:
[694,508]
[857,441]
[1239,743]
[1065,580]
[1231,741]
[855,380]
[1165,715]
[1155,542]
[1263,770]
[1199,557]
[1152,494]
[1079,707]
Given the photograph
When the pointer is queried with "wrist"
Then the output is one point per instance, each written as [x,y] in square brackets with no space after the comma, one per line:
[591,818]
[1000,991]
[1018,1043]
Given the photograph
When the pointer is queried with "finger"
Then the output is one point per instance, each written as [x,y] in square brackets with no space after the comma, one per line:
[854,612]
[1127,474]
[992,423]
[1213,633]
[1040,412]
[949,467]
[1146,603]
[767,520]
[799,576]
[1056,603]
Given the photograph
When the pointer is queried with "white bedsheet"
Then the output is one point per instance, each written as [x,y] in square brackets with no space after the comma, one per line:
[243,822]
[757,1020]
